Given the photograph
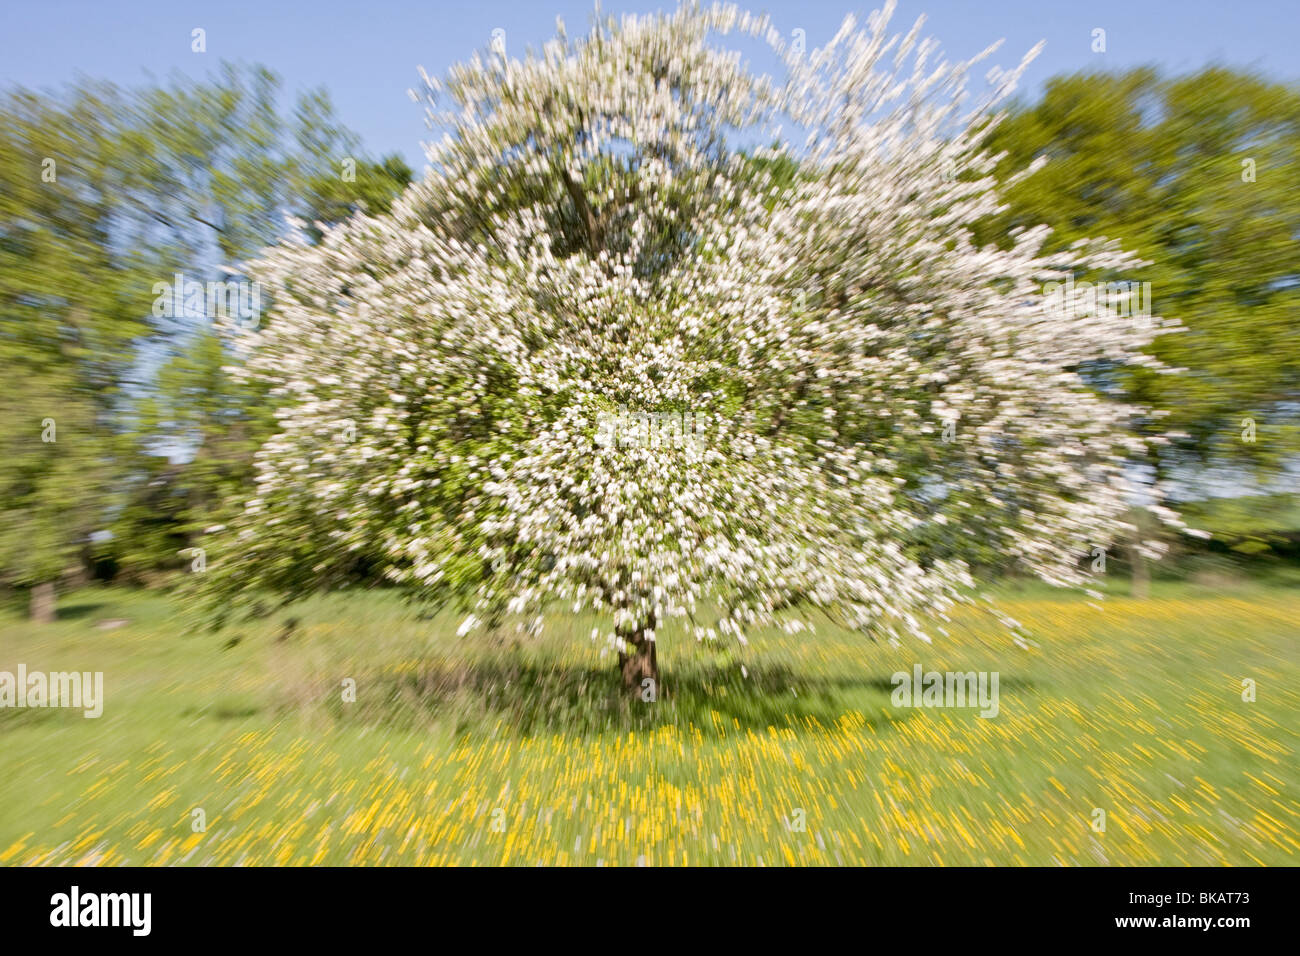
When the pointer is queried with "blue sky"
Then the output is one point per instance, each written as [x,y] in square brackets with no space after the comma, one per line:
[365,52]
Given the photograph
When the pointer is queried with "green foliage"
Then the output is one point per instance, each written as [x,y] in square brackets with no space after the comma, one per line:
[187,177]
[1250,526]
[68,317]
[331,199]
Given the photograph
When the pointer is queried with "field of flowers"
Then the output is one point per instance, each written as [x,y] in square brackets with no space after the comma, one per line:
[240,747]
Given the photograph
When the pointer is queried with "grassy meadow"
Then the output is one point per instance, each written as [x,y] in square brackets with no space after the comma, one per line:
[468,751]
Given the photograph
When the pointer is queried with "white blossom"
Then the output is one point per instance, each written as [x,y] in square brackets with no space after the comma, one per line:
[589,238]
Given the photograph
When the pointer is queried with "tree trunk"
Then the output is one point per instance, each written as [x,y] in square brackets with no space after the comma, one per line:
[77,575]
[42,606]
[1141,577]
[1141,588]
[640,665]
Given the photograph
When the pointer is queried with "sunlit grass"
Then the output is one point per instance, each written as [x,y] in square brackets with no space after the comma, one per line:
[466,752]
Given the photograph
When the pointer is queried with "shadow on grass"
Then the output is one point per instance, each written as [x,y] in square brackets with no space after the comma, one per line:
[75,612]
[534,699]
[223,711]
[886,685]
[12,718]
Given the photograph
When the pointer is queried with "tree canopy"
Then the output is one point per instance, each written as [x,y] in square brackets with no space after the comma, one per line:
[843,368]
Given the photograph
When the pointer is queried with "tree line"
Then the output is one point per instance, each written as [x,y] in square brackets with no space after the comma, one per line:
[124,435]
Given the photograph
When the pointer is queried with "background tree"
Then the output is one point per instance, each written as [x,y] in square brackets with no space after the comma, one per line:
[1195,174]
[197,406]
[68,317]
[104,193]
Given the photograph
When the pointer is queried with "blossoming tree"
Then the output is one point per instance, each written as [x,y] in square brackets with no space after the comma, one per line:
[872,398]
